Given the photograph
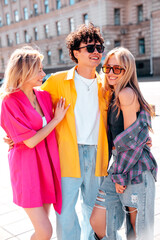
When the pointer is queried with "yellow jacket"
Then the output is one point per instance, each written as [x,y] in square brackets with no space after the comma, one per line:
[60,85]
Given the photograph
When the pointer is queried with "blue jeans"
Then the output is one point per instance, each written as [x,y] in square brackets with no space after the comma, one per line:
[114,209]
[139,196]
[68,227]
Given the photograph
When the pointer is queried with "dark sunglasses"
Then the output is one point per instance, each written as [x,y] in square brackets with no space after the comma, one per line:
[91,48]
[116,69]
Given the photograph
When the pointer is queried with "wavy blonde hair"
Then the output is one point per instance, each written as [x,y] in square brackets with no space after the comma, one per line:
[129,78]
[21,68]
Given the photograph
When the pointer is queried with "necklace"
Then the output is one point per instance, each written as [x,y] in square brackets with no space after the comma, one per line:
[88,86]
[34,102]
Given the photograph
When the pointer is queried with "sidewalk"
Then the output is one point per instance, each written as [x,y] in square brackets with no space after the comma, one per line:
[15,225]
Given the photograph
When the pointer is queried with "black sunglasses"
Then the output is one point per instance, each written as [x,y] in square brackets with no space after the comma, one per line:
[91,48]
[116,69]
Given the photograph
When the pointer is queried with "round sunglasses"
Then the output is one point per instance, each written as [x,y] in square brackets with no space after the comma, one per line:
[91,48]
[116,69]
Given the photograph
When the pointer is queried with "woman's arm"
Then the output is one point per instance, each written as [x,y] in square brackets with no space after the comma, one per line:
[60,112]
[129,105]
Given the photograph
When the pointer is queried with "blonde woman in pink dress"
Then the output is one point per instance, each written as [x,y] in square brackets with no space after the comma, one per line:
[27,117]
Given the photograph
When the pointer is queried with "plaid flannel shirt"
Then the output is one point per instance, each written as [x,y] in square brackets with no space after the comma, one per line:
[133,154]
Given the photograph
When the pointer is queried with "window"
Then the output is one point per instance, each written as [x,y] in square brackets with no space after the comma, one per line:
[49,57]
[8,21]
[71,2]
[141,45]
[8,40]
[140,13]
[46,30]
[2,63]
[117,16]
[61,59]
[71,24]
[17,38]
[58,4]
[139,65]
[25,11]
[16,16]
[46,6]
[117,43]
[85,19]
[26,37]
[58,26]
[1,22]
[5,2]
[36,33]
[35,7]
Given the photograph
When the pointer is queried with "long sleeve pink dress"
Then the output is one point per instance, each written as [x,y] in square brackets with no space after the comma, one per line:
[35,172]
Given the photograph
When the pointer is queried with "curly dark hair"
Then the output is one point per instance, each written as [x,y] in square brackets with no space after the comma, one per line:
[84,33]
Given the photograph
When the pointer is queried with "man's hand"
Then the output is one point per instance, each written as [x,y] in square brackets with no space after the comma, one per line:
[9,142]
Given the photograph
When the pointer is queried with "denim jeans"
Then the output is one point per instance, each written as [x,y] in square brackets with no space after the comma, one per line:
[140,196]
[114,209]
[68,227]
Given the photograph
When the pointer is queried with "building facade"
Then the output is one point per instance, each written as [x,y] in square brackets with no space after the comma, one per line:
[46,23]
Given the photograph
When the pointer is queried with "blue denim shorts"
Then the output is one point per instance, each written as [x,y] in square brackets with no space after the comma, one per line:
[139,196]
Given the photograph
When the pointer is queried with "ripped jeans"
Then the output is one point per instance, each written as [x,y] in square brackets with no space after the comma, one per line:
[139,196]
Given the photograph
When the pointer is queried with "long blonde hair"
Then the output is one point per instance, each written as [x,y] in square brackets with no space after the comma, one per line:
[22,67]
[129,78]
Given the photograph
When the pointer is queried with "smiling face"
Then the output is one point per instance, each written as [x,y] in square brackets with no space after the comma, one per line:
[37,80]
[35,77]
[86,59]
[113,78]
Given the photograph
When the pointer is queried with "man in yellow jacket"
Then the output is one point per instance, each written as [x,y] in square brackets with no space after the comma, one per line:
[81,136]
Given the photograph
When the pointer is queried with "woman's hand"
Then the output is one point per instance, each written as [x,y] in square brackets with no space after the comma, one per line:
[149,142]
[60,111]
[9,142]
[119,188]
[59,114]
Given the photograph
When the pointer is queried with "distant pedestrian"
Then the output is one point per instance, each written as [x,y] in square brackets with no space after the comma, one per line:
[27,118]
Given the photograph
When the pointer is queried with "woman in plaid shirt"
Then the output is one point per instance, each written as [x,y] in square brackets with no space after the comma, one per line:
[129,189]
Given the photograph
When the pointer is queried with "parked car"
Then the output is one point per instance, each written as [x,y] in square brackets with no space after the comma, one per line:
[46,77]
[1,81]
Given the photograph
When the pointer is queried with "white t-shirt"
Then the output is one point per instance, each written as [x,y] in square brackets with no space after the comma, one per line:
[44,121]
[86,110]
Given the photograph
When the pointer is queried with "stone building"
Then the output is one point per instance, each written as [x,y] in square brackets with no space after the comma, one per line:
[46,23]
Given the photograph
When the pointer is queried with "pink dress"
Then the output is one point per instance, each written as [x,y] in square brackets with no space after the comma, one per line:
[35,172]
